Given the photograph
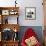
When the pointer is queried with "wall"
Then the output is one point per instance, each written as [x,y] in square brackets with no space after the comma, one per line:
[39,13]
[22,21]
[27,3]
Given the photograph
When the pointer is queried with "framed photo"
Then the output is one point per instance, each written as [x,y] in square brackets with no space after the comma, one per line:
[30,13]
[5,12]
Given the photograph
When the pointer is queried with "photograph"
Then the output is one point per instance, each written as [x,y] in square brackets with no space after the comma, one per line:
[30,13]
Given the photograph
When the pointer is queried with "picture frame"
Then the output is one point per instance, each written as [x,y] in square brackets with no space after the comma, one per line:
[5,12]
[30,13]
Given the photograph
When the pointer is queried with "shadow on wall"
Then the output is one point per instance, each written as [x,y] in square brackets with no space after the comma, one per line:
[37,29]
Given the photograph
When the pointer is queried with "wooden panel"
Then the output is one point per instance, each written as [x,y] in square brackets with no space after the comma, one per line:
[0,28]
[0,19]
[5,8]
[12,43]
[44,6]
[45,36]
[45,16]
[11,26]
[0,43]
[9,43]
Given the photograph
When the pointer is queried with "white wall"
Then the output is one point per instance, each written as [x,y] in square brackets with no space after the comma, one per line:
[39,13]
[27,3]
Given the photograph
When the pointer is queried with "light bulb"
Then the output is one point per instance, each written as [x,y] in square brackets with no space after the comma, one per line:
[15,30]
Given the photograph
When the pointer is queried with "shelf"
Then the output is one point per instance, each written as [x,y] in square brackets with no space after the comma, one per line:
[10,26]
[4,8]
[9,10]
[9,19]
[11,41]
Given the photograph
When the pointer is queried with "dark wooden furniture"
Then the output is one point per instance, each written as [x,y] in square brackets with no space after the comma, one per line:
[0,43]
[10,43]
[4,13]
[8,11]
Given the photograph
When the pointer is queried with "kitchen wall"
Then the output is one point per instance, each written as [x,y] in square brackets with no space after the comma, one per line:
[26,3]
[39,13]
[37,24]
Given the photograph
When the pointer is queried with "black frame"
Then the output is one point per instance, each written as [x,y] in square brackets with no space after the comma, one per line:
[26,15]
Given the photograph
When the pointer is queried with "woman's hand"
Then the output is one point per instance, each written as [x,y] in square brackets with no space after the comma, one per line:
[32,41]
